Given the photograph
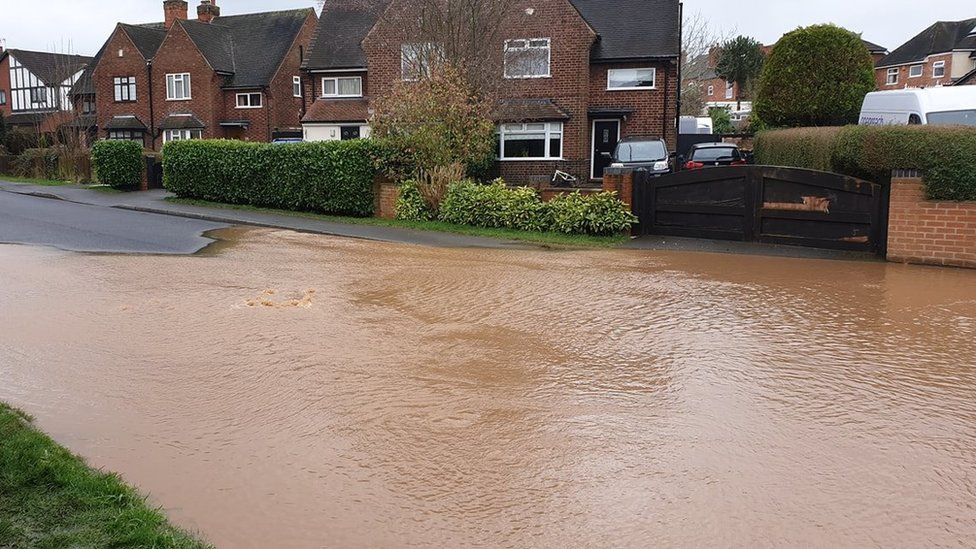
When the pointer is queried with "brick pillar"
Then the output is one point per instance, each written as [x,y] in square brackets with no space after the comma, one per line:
[385,195]
[621,181]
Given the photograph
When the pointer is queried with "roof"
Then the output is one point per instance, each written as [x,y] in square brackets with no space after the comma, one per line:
[25,118]
[125,123]
[181,122]
[632,29]
[941,37]
[51,68]
[146,37]
[338,110]
[518,110]
[342,28]
[251,47]
[874,48]
[968,79]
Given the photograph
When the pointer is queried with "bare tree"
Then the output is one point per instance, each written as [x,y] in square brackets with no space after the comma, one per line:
[699,37]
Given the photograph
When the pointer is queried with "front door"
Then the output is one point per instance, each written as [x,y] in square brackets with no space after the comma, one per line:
[606,133]
[350,132]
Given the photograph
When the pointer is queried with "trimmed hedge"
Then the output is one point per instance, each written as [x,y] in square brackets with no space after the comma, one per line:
[498,206]
[334,177]
[117,163]
[945,155]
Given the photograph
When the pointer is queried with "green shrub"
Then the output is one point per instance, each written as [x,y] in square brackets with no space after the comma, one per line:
[18,140]
[945,155]
[815,76]
[599,214]
[495,206]
[118,163]
[410,204]
[333,177]
[37,163]
[721,120]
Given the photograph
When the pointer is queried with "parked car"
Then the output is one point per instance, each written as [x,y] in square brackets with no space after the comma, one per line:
[704,155]
[955,105]
[286,140]
[642,153]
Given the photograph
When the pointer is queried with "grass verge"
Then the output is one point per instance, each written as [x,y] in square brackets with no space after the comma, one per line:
[50,498]
[552,239]
[34,181]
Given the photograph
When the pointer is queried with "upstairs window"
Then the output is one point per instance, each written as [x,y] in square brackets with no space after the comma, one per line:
[349,86]
[178,87]
[249,101]
[892,77]
[3,97]
[125,88]
[729,90]
[631,79]
[530,141]
[916,71]
[711,91]
[38,96]
[938,69]
[296,86]
[528,58]
[87,107]
[416,60]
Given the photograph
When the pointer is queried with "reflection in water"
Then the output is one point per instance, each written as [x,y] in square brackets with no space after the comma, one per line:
[290,390]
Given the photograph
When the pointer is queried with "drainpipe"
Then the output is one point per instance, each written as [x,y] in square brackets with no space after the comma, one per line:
[664,110]
[152,116]
[677,99]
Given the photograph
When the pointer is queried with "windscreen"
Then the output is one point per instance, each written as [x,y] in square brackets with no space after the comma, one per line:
[713,154]
[641,151]
[953,118]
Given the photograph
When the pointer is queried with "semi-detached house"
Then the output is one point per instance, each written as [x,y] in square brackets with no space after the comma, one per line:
[234,77]
[942,55]
[35,86]
[597,71]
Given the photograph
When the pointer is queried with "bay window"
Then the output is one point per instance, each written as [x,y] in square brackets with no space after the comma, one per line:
[181,135]
[530,141]
[528,58]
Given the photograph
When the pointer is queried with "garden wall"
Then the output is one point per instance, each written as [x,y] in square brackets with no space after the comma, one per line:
[926,231]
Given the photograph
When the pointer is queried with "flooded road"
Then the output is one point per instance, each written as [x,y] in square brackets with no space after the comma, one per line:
[290,390]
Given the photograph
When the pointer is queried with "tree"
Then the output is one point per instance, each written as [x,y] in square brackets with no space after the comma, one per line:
[698,37]
[815,76]
[721,121]
[740,62]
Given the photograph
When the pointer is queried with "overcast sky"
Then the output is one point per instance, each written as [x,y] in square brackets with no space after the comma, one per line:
[81,26]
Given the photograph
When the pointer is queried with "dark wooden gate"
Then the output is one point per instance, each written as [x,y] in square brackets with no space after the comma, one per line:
[154,172]
[765,204]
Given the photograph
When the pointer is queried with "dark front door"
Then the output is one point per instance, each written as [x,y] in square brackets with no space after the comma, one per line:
[350,132]
[606,133]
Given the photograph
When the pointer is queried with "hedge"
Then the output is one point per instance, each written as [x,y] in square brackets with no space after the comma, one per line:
[498,206]
[334,177]
[117,163]
[945,155]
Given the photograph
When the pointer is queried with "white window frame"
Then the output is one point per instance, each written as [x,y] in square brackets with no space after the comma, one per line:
[126,135]
[711,91]
[296,86]
[551,131]
[730,90]
[892,76]
[183,135]
[129,86]
[250,100]
[336,80]
[3,97]
[509,46]
[653,85]
[937,66]
[916,71]
[182,77]
[423,65]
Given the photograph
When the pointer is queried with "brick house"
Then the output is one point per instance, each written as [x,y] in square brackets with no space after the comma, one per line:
[599,70]
[942,55]
[35,87]
[233,77]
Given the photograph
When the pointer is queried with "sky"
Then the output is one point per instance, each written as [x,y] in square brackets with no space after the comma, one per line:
[81,26]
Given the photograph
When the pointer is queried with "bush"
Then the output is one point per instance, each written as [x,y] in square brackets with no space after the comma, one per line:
[815,76]
[333,177]
[945,155]
[411,206]
[18,140]
[37,163]
[494,206]
[596,214]
[117,163]
[721,120]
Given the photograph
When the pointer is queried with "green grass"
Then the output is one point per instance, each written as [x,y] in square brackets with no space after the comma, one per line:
[551,239]
[105,189]
[34,181]
[50,498]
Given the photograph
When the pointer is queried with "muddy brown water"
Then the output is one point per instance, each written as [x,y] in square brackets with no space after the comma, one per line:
[290,390]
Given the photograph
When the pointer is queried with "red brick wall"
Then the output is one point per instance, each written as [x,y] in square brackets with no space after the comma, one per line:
[286,110]
[110,66]
[651,116]
[260,128]
[924,81]
[6,109]
[929,232]
[313,84]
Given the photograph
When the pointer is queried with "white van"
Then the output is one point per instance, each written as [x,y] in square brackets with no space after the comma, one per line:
[695,125]
[955,105]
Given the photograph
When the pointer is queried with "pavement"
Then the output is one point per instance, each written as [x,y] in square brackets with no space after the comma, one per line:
[136,221]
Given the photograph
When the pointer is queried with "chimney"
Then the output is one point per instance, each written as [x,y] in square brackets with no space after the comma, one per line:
[173,10]
[207,11]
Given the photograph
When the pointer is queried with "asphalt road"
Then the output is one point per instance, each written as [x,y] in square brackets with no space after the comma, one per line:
[88,228]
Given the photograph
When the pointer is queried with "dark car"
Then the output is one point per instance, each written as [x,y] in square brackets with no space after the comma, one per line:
[704,155]
[642,153]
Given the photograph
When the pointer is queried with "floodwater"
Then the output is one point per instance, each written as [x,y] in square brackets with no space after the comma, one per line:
[290,390]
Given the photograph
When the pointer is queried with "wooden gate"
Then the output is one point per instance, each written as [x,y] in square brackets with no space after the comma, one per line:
[765,204]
